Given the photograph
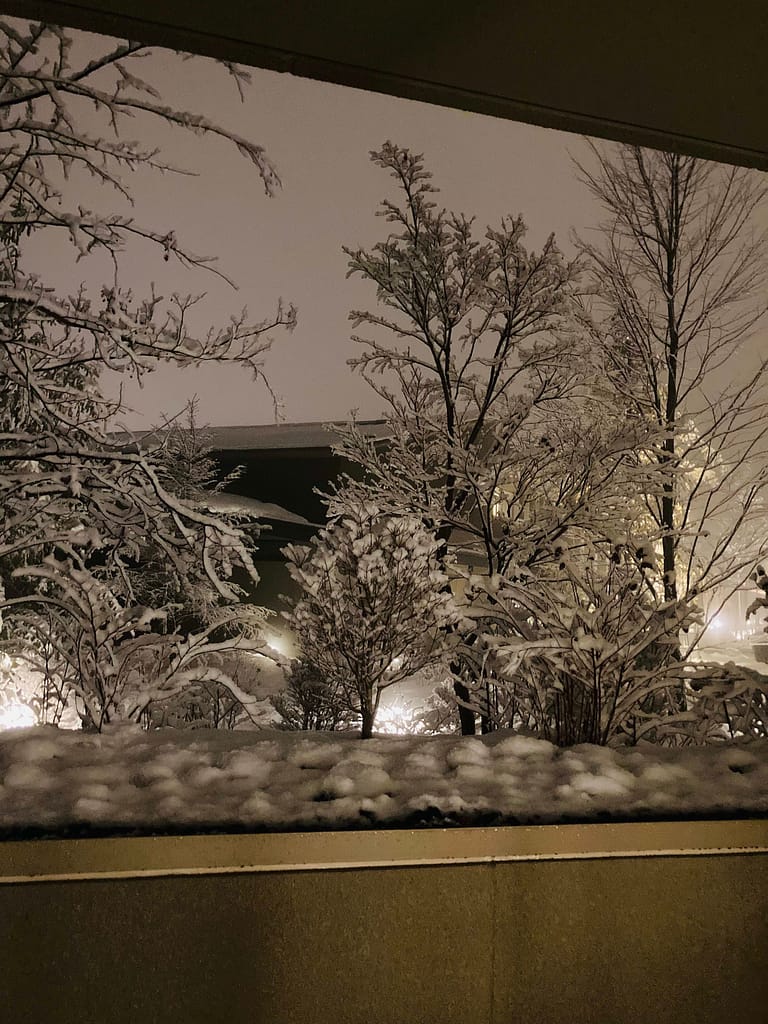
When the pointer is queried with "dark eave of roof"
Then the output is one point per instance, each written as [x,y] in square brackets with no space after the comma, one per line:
[286,436]
[687,77]
[270,436]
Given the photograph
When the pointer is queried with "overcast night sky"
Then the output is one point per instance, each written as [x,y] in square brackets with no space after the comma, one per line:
[319,136]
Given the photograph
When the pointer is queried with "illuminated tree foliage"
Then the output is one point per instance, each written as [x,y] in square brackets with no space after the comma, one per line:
[374,606]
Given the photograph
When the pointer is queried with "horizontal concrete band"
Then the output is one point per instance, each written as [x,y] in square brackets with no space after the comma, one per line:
[78,859]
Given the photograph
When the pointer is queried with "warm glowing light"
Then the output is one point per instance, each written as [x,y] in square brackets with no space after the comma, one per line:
[398,718]
[277,643]
[17,716]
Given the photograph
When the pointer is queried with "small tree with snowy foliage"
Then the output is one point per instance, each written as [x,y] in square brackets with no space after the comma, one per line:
[309,703]
[375,604]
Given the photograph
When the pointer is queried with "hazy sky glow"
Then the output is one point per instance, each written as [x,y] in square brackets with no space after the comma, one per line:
[319,136]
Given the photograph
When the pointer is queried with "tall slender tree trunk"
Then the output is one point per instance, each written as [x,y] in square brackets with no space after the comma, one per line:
[467,719]
[670,485]
[672,412]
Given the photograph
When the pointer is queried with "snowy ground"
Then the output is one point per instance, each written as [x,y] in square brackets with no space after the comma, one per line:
[738,651]
[125,780]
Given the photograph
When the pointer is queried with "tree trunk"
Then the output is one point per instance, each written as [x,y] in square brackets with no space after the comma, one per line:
[671,485]
[466,717]
[368,715]
[669,555]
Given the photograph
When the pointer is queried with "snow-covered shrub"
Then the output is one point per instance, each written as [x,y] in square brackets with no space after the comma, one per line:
[308,702]
[199,706]
[375,604]
[581,650]
[237,697]
[438,715]
[111,657]
[727,702]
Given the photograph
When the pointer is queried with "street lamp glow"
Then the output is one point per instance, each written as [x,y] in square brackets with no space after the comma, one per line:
[17,716]
[277,643]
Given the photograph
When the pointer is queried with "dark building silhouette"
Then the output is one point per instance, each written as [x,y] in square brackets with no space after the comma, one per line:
[283,465]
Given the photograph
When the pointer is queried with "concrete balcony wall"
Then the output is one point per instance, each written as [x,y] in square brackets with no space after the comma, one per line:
[596,940]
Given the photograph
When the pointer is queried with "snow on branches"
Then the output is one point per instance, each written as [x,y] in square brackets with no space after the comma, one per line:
[375,604]
[498,433]
[85,512]
[579,647]
[676,279]
[109,656]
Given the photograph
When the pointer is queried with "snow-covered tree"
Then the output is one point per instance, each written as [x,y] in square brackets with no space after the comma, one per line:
[182,450]
[70,489]
[495,439]
[308,702]
[183,457]
[186,456]
[678,276]
[375,606]
[468,344]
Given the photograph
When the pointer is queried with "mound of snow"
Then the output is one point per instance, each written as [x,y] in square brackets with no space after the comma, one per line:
[125,779]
